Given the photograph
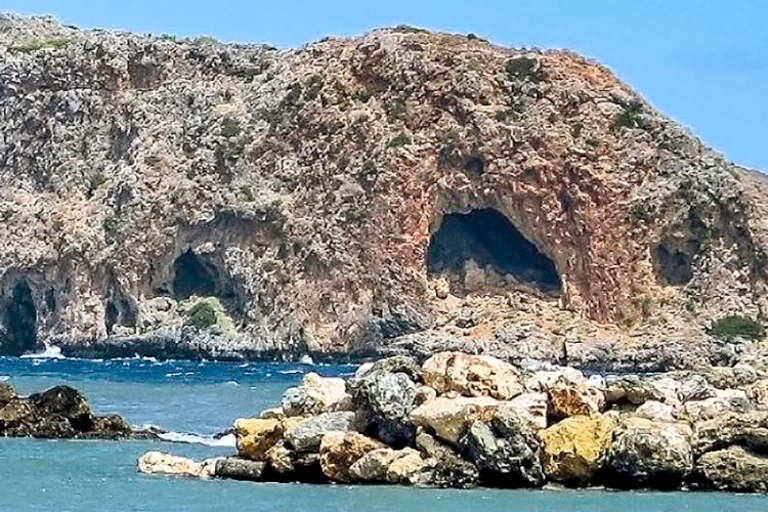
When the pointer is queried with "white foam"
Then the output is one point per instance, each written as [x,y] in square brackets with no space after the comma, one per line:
[4,378]
[179,437]
[288,372]
[306,359]
[48,353]
[232,383]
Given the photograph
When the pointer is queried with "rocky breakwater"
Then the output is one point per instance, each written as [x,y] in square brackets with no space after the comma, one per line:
[60,412]
[461,420]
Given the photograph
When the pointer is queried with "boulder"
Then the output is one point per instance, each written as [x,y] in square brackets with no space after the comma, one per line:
[316,395]
[167,464]
[275,413]
[394,364]
[533,406]
[726,401]
[506,450]
[656,411]
[445,467]
[648,454]
[288,465]
[733,469]
[424,394]
[239,469]
[373,466]
[340,450]
[384,401]
[630,389]
[569,396]
[377,465]
[449,418]
[305,436]
[695,387]
[471,375]
[254,436]
[575,448]
[747,429]
[7,393]
[412,468]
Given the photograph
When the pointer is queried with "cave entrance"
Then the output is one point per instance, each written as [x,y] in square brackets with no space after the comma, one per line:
[192,276]
[484,243]
[20,321]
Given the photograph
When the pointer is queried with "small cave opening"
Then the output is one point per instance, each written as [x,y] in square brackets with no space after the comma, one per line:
[20,321]
[485,240]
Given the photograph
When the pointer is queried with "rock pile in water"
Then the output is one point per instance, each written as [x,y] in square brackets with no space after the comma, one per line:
[462,420]
[60,412]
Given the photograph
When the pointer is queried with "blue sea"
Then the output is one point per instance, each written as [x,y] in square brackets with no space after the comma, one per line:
[194,401]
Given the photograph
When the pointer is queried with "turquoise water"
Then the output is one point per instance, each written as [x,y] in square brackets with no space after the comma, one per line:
[204,398]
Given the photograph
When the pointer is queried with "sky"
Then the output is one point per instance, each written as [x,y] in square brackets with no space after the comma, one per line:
[702,62]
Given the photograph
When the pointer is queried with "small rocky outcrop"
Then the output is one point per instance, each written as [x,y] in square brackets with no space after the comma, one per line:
[634,431]
[60,412]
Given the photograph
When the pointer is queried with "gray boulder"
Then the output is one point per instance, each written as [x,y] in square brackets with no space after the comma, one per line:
[648,454]
[507,452]
[306,436]
[239,469]
[746,429]
[446,469]
[734,469]
[384,401]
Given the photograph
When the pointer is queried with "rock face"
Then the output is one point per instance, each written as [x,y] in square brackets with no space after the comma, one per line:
[648,454]
[60,412]
[575,448]
[186,198]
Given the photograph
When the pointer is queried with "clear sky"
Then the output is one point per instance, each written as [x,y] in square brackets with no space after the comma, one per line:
[704,62]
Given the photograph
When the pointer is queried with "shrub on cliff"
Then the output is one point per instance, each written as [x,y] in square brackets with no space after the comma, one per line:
[736,326]
[202,315]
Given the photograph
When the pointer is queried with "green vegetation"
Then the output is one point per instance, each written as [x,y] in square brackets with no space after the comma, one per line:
[294,94]
[642,212]
[152,160]
[407,29]
[396,109]
[205,40]
[230,127]
[247,193]
[41,43]
[525,68]
[737,326]
[401,139]
[630,117]
[364,95]
[576,130]
[96,181]
[201,316]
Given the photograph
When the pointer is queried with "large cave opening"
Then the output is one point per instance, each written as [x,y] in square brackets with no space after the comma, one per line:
[485,242]
[192,276]
[20,321]
[203,276]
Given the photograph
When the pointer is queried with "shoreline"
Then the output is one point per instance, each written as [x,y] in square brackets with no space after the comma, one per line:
[461,420]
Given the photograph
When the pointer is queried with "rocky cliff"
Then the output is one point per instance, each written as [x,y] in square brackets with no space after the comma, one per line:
[402,191]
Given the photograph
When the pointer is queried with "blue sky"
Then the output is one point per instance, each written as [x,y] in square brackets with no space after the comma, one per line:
[703,62]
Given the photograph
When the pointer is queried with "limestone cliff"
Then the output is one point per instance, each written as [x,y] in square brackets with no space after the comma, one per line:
[390,192]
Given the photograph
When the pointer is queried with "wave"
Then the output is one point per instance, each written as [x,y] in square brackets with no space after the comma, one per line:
[4,378]
[180,437]
[48,353]
[289,372]
[306,359]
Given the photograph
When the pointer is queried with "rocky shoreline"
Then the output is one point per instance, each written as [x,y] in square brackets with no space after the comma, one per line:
[461,420]
[60,412]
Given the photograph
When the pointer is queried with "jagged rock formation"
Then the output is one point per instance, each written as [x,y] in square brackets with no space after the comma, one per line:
[398,192]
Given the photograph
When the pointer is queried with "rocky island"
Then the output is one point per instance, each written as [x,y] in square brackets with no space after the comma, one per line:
[461,420]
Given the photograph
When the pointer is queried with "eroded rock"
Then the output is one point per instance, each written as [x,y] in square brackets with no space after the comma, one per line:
[340,450]
[471,375]
[575,448]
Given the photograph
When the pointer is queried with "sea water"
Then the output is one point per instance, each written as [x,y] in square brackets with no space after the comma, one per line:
[194,401]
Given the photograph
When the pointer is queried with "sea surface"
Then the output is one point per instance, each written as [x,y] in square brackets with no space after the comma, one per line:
[194,401]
